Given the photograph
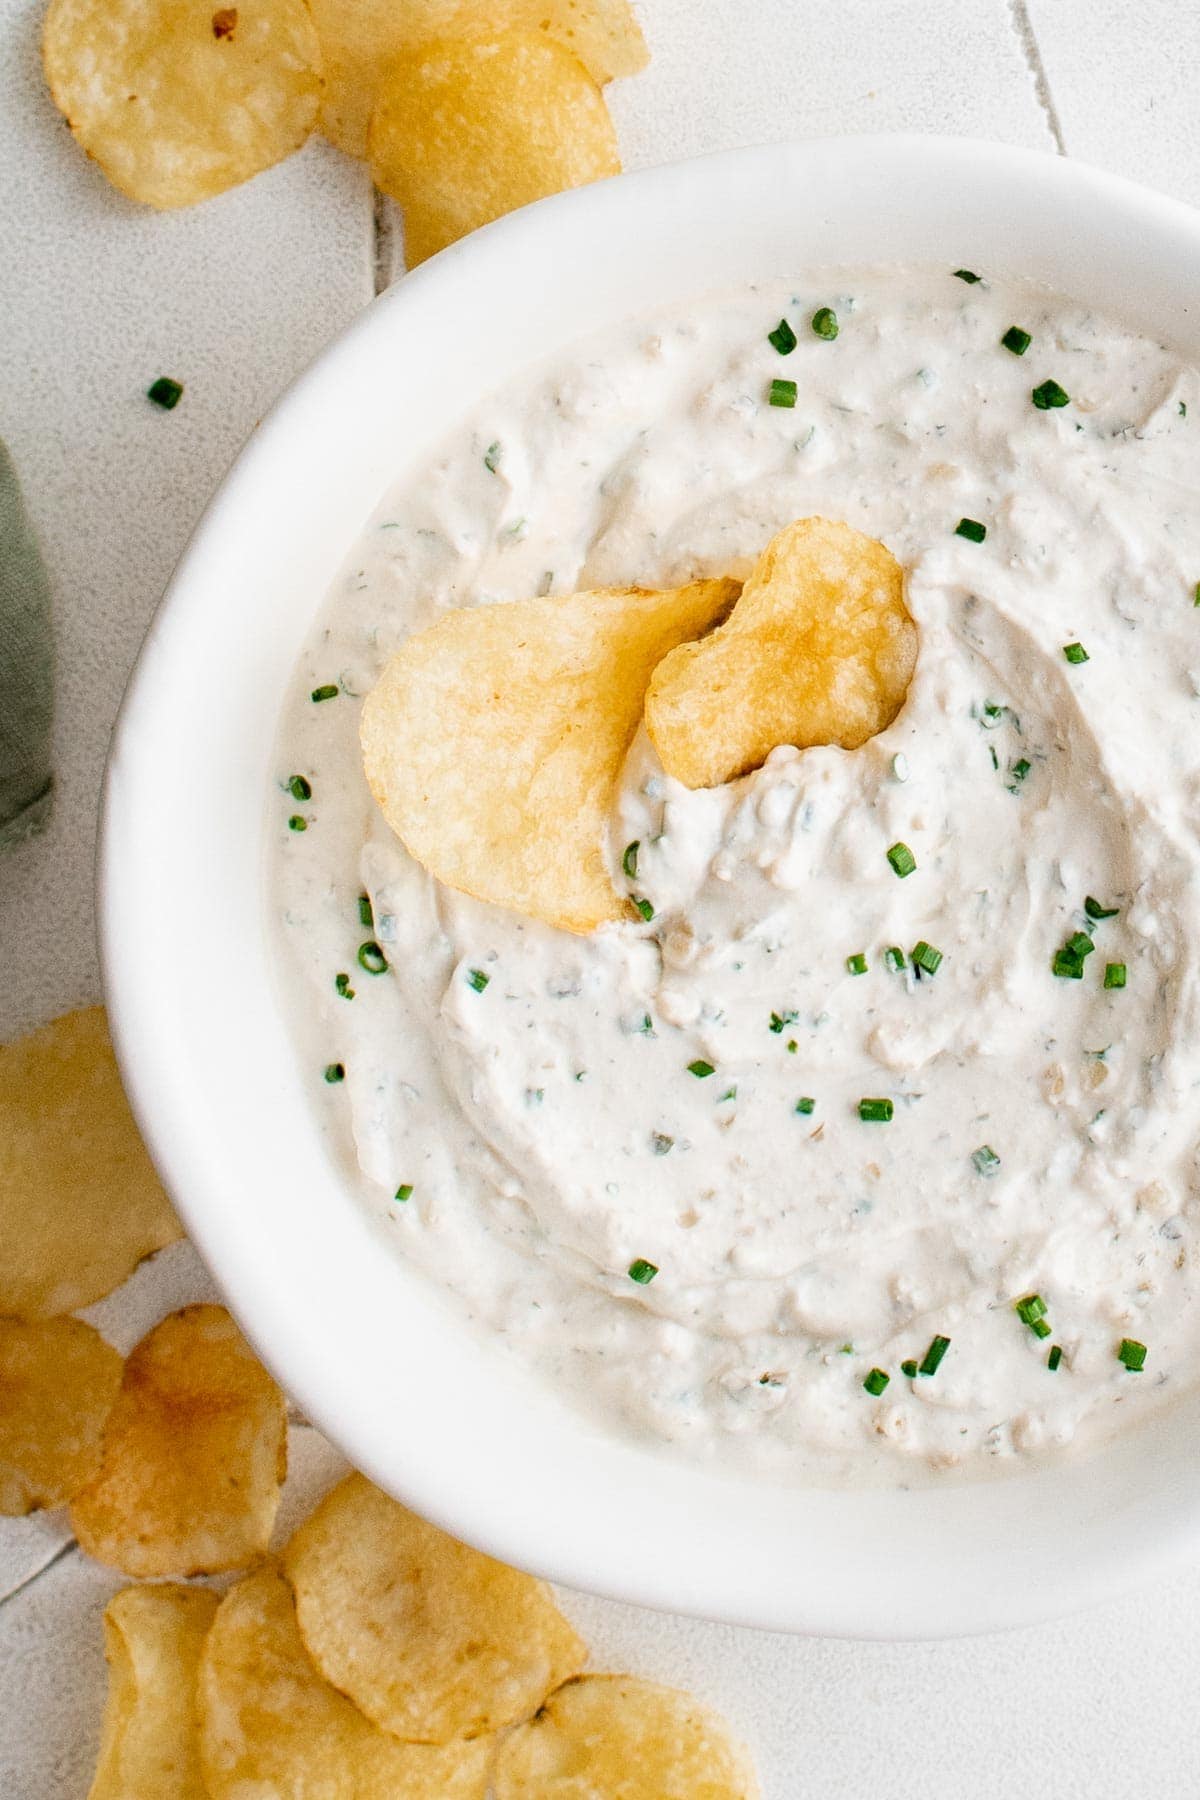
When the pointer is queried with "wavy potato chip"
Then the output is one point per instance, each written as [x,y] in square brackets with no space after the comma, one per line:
[361,43]
[150,1745]
[494,741]
[270,1725]
[80,1204]
[820,649]
[466,130]
[58,1381]
[194,1454]
[430,1639]
[178,100]
[624,1739]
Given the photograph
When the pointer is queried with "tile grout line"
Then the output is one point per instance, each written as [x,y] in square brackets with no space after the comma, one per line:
[24,1586]
[1022,24]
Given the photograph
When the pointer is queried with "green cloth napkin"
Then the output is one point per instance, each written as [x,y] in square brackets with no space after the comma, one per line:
[26,670]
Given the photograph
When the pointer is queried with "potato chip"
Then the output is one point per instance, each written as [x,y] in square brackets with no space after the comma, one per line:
[150,1745]
[361,43]
[194,1454]
[270,1725]
[819,650]
[178,100]
[494,740]
[467,130]
[624,1739]
[80,1204]
[58,1381]
[432,1640]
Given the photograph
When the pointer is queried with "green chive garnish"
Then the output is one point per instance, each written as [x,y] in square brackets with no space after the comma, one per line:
[876,1381]
[1016,340]
[1075,653]
[1196,595]
[967,275]
[1049,394]
[371,958]
[857,964]
[1040,1328]
[783,338]
[335,1072]
[297,823]
[1055,1357]
[1114,975]
[328,692]
[895,959]
[1094,910]
[779,1020]
[985,1159]
[491,458]
[729,1094]
[783,393]
[341,982]
[165,392]
[477,980]
[806,1104]
[700,1069]
[875,1112]
[902,860]
[1021,769]
[1067,965]
[642,1272]
[971,528]
[926,959]
[1079,944]
[793,1046]
[908,1367]
[932,1359]
[629,860]
[299,788]
[404,1191]
[365,914]
[1132,1354]
[645,908]
[1031,1309]
[825,323]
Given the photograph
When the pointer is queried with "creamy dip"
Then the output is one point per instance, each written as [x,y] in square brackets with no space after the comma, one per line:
[878,1160]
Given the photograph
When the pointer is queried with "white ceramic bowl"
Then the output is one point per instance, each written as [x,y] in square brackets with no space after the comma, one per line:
[373,1355]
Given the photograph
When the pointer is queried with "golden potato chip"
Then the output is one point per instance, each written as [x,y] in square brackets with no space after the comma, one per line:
[623,1739]
[194,1454]
[494,741]
[430,1639]
[178,100]
[58,1381]
[80,1204]
[820,649]
[362,42]
[150,1745]
[270,1725]
[467,130]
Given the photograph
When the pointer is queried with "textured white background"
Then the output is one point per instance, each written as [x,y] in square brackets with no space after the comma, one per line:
[98,297]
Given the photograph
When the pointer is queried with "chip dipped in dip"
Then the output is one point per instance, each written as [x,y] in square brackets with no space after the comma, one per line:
[862,1149]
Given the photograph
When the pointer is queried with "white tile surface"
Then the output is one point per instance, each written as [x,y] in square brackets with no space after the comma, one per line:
[96,298]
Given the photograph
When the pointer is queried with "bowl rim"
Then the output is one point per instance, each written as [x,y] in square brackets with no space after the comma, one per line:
[751,1554]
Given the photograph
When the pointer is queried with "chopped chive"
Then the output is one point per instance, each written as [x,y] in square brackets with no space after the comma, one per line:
[371,958]
[971,528]
[642,1272]
[1114,975]
[1132,1354]
[825,323]
[1020,769]
[1016,340]
[806,1104]
[1067,965]
[1094,910]
[1049,394]
[783,393]
[967,275]
[297,823]
[700,1069]
[932,1359]
[876,1381]
[783,338]
[341,982]
[793,1046]
[491,457]
[477,980]
[909,1367]
[366,915]
[1075,654]
[902,860]
[729,1094]
[165,392]
[629,859]
[330,691]
[1054,1358]
[645,908]
[1079,944]
[299,788]
[985,1159]
[926,959]
[875,1112]
[994,757]
[1030,1309]
[1196,595]
[895,959]
[857,964]
[660,1143]
[900,766]
[404,1191]
[779,1020]
[335,1072]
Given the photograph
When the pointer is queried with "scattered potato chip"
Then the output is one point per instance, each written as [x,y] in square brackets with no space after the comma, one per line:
[194,1454]
[178,100]
[361,43]
[432,1640]
[58,1381]
[494,741]
[80,1204]
[269,1724]
[623,1739]
[150,1745]
[467,130]
[820,649]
